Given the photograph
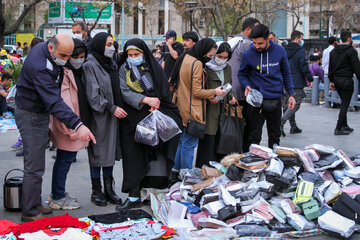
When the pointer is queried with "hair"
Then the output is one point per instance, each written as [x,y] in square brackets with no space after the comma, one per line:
[316,57]
[224,47]
[249,22]
[296,34]
[18,43]
[81,24]
[331,40]
[153,51]
[272,33]
[79,50]
[260,31]
[191,35]
[25,43]
[344,35]
[5,76]
[35,41]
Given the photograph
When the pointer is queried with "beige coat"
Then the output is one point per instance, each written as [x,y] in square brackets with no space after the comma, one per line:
[59,133]
[182,94]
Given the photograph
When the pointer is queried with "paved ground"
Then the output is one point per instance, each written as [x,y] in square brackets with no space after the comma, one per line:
[316,122]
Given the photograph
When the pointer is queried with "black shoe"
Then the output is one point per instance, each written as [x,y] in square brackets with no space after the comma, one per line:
[109,191]
[295,130]
[97,195]
[20,153]
[282,130]
[128,204]
[173,178]
[341,132]
[347,128]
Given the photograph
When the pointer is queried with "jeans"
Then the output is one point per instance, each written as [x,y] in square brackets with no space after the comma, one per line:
[184,157]
[95,172]
[290,114]
[345,89]
[63,161]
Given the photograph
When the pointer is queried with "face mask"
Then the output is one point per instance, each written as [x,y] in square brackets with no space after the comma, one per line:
[78,36]
[77,62]
[58,61]
[136,61]
[207,59]
[302,43]
[109,52]
[219,62]
[351,43]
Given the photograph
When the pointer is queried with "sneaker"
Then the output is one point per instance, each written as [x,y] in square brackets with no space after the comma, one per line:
[64,203]
[68,195]
[347,128]
[295,130]
[341,132]
[20,153]
[18,145]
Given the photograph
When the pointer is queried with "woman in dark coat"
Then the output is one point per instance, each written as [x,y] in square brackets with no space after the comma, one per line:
[144,89]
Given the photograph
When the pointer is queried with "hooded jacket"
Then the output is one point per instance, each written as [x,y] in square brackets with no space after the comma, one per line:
[344,62]
[267,71]
[298,65]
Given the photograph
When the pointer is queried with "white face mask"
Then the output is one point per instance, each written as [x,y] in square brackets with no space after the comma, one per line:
[78,36]
[109,52]
[219,62]
[58,61]
[77,62]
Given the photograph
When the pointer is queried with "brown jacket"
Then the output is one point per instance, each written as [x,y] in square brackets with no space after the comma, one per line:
[59,133]
[182,94]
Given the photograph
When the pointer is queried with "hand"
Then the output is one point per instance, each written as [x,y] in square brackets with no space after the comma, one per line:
[120,113]
[83,134]
[213,101]
[247,90]
[233,101]
[292,103]
[170,41]
[219,91]
[153,102]
[332,86]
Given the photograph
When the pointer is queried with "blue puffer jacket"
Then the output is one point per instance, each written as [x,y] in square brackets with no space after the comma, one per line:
[298,65]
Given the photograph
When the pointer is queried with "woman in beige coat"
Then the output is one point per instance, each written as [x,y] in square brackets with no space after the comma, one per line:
[192,62]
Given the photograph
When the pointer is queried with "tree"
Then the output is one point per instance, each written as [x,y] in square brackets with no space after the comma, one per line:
[296,8]
[8,29]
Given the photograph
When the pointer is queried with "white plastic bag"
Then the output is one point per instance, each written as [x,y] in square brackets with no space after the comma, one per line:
[254,98]
[166,126]
[12,93]
[146,131]
[334,222]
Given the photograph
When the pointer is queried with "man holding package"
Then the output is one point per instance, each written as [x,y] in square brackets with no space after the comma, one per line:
[265,68]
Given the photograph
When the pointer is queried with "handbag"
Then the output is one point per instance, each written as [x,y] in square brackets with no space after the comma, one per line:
[193,127]
[347,207]
[231,131]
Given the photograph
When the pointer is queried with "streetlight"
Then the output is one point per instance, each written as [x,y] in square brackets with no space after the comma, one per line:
[191,5]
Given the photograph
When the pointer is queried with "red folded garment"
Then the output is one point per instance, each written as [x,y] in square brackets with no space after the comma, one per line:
[6,226]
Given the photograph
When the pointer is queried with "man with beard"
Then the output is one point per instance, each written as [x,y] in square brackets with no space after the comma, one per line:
[80,31]
[265,67]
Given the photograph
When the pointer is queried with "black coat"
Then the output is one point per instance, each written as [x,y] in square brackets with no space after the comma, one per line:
[298,65]
[344,62]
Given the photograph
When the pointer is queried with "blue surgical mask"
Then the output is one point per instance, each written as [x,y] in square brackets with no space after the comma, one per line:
[302,43]
[136,61]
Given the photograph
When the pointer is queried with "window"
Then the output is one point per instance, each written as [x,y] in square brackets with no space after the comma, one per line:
[136,22]
[161,22]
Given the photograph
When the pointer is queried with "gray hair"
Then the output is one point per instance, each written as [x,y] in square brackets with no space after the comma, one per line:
[54,41]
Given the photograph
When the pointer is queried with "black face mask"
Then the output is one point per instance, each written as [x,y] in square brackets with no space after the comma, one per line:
[207,59]
[351,43]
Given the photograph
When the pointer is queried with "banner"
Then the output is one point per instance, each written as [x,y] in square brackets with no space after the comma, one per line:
[24,37]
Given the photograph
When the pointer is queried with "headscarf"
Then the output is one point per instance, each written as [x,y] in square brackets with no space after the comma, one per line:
[199,50]
[97,49]
[84,107]
[223,47]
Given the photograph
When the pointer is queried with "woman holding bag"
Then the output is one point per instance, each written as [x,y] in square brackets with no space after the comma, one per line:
[189,96]
[219,74]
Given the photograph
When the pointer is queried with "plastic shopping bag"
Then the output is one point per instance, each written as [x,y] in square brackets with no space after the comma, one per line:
[166,126]
[146,131]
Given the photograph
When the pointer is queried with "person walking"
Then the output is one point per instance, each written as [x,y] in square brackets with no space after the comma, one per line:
[104,97]
[38,95]
[189,86]
[145,89]
[344,62]
[60,135]
[218,74]
[300,74]
[265,67]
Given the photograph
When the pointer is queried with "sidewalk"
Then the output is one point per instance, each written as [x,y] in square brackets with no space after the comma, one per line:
[317,123]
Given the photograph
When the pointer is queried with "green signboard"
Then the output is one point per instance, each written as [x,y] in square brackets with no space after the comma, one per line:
[54,10]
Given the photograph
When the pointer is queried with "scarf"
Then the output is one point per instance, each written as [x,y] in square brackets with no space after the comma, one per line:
[222,47]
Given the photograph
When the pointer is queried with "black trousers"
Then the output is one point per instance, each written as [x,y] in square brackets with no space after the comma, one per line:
[345,89]
[34,130]
[206,151]
[256,123]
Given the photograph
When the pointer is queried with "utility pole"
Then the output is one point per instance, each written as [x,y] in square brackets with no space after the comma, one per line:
[166,17]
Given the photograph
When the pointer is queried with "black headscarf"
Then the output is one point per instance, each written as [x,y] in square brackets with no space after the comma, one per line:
[84,107]
[199,50]
[97,49]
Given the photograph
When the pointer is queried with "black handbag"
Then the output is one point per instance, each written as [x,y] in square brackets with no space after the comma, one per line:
[270,105]
[231,132]
[347,207]
[226,213]
[193,127]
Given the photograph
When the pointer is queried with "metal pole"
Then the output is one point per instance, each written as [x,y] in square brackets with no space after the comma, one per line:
[191,12]
[315,91]
[320,33]
[123,24]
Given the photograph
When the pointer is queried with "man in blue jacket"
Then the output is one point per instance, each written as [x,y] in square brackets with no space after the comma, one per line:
[265,67]
[37,96]
[300,72]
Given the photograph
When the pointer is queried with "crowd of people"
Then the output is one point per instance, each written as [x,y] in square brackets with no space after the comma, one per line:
[91,96]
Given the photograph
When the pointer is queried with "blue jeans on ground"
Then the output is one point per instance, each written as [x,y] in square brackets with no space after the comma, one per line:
[185,152]
[95,172]
[62,165]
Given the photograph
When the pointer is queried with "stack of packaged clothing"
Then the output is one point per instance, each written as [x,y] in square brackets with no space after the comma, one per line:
[281,192]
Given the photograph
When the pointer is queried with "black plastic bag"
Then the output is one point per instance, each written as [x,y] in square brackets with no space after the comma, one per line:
[231,131]
[234,173]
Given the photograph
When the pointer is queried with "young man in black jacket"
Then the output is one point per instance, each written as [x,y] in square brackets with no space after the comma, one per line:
[344,62]
[300,72]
